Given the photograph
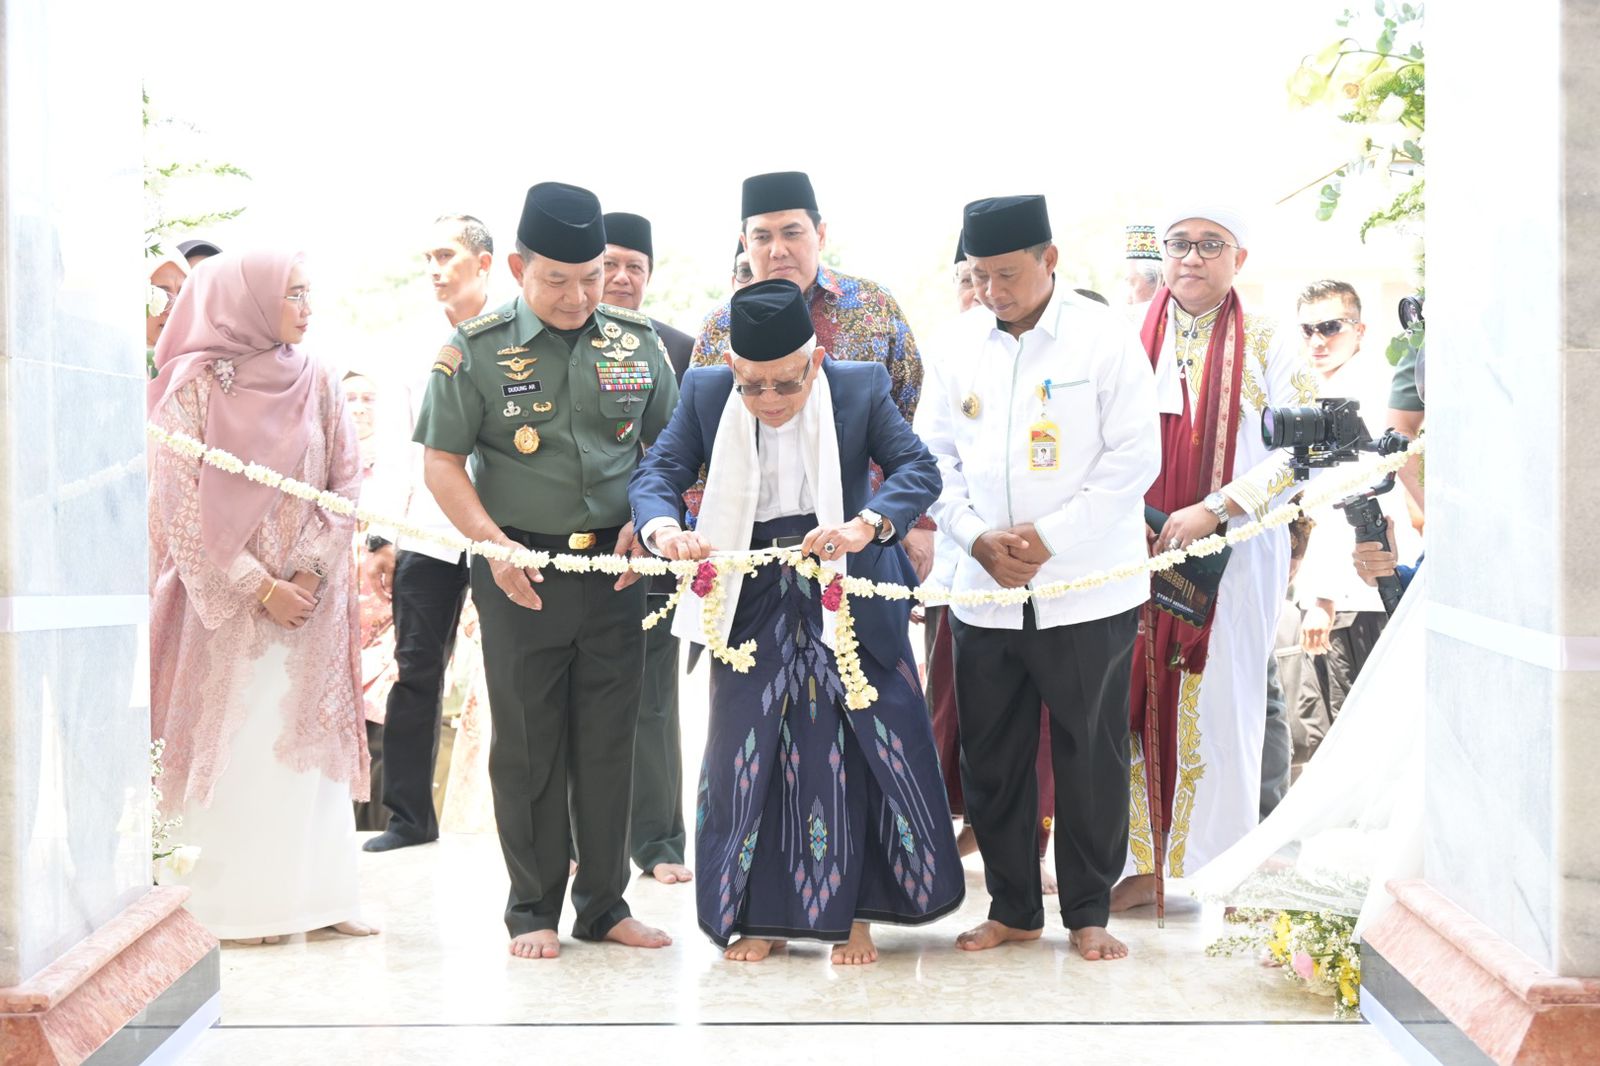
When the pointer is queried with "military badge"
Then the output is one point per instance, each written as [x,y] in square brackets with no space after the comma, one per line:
[448,361]
[524,376]
[526,440]
[512,409]
[515,364]
[598,342]
[611,330]
[543,407]
[623,429]
[630,341]
[624,377]
[970,406]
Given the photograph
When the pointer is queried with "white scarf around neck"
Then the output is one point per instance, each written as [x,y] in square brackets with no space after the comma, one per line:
[733,487]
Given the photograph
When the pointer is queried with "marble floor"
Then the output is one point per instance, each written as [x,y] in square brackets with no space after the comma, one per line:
[437,986]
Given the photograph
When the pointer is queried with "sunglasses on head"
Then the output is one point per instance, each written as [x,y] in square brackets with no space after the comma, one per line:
[1325,329]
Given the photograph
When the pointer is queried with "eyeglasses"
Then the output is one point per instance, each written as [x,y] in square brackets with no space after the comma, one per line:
[158,301]
[743,275]
[1208,249]
[298,298]
[1330,328]
[782,388]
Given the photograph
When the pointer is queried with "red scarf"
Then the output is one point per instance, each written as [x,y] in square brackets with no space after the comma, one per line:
[1197,450]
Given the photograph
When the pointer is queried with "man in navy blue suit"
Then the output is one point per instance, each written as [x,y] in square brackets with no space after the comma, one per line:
[812,820]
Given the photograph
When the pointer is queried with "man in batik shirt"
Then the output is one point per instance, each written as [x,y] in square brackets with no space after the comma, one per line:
[855,319]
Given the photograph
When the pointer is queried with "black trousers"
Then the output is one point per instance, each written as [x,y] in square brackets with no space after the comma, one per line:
[564,698]
[1082,673]
[428,596]
[657,833]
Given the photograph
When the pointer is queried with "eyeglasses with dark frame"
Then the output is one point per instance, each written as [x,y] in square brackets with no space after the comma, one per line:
[1178,248]
[782,388]
[1331,328]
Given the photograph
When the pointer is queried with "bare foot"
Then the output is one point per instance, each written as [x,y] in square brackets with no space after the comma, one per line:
[355,929]
[671,873]
[539,944]
[1094,944]
[991,934]
[1047,878]
[966,841]
[635,934]
[751,949]
[859,949]
[1138,890]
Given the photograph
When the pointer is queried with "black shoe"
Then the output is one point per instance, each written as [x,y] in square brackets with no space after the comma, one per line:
[388,840]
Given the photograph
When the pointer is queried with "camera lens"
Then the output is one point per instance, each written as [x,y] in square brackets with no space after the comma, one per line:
[1290,427]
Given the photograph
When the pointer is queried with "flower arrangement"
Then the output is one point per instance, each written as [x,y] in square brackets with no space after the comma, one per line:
[1314,948]
[697,577]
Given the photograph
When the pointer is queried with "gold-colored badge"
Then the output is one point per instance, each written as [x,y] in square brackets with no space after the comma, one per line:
[543,408]
[598,342]
[524,376]
[615,352]
[611,329]
[517,365]
[514,350]
[526,440]
[629,341]
[970,406]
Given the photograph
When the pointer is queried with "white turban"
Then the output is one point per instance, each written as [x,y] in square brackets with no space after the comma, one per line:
[1218,210]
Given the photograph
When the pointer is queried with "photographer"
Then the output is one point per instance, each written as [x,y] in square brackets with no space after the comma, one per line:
[1343,616]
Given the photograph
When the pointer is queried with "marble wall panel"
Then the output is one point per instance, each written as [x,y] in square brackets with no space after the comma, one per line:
[1577,783]
[1580,83]
[1494,313]
[1491,840]
[74,725]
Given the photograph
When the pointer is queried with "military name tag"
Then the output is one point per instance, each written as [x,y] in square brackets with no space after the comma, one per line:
[1044,439]
[624,377]
[523,389]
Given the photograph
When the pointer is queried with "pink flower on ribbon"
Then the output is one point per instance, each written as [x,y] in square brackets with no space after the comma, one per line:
[833,595]
[1304,965]
[704,579]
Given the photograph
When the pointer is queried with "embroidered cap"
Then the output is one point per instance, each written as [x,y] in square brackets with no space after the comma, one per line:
[629,231]
[785,190]
[768,320]
[562,222]
[1004,224]
[1142,243]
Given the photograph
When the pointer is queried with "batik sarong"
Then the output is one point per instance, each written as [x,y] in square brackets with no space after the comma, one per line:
[811,816]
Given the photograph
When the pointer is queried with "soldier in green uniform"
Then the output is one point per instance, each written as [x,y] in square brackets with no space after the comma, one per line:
[551,396]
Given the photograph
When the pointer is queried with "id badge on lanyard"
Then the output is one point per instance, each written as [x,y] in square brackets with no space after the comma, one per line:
[1044,436]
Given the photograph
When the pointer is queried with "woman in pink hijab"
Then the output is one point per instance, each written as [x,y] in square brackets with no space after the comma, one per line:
[253,628]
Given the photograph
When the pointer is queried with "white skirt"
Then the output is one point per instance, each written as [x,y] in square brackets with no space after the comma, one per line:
[277,846]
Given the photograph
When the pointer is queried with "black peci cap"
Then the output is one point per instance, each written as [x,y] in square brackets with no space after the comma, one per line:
[562,222]
[961,251]
[629,231]
[786,190]
[197,247]
[1004,224]
[769,320]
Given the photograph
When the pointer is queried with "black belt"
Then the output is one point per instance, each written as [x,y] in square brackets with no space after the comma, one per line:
[776,542]
[587,542]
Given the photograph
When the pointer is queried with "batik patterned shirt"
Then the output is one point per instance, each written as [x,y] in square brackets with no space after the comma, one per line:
[856,320]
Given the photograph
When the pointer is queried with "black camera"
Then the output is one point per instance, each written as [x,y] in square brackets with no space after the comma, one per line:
[1330,433]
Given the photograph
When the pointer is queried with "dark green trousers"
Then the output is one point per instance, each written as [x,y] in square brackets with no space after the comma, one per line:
[563,696]
[658,833]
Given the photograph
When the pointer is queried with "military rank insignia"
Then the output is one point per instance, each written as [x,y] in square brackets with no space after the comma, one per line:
[624,376]
[448,361]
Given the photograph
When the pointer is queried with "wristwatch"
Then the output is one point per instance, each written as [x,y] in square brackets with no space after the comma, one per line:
[880,525]
[1217,504]
[375,542]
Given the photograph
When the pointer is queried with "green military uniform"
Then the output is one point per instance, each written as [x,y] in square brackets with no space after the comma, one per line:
[553,423]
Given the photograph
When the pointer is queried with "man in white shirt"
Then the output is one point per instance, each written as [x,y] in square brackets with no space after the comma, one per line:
[1042,415]
[1343,616]
[428,583]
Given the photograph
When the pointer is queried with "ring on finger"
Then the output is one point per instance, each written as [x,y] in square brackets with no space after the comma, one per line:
[829,548]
